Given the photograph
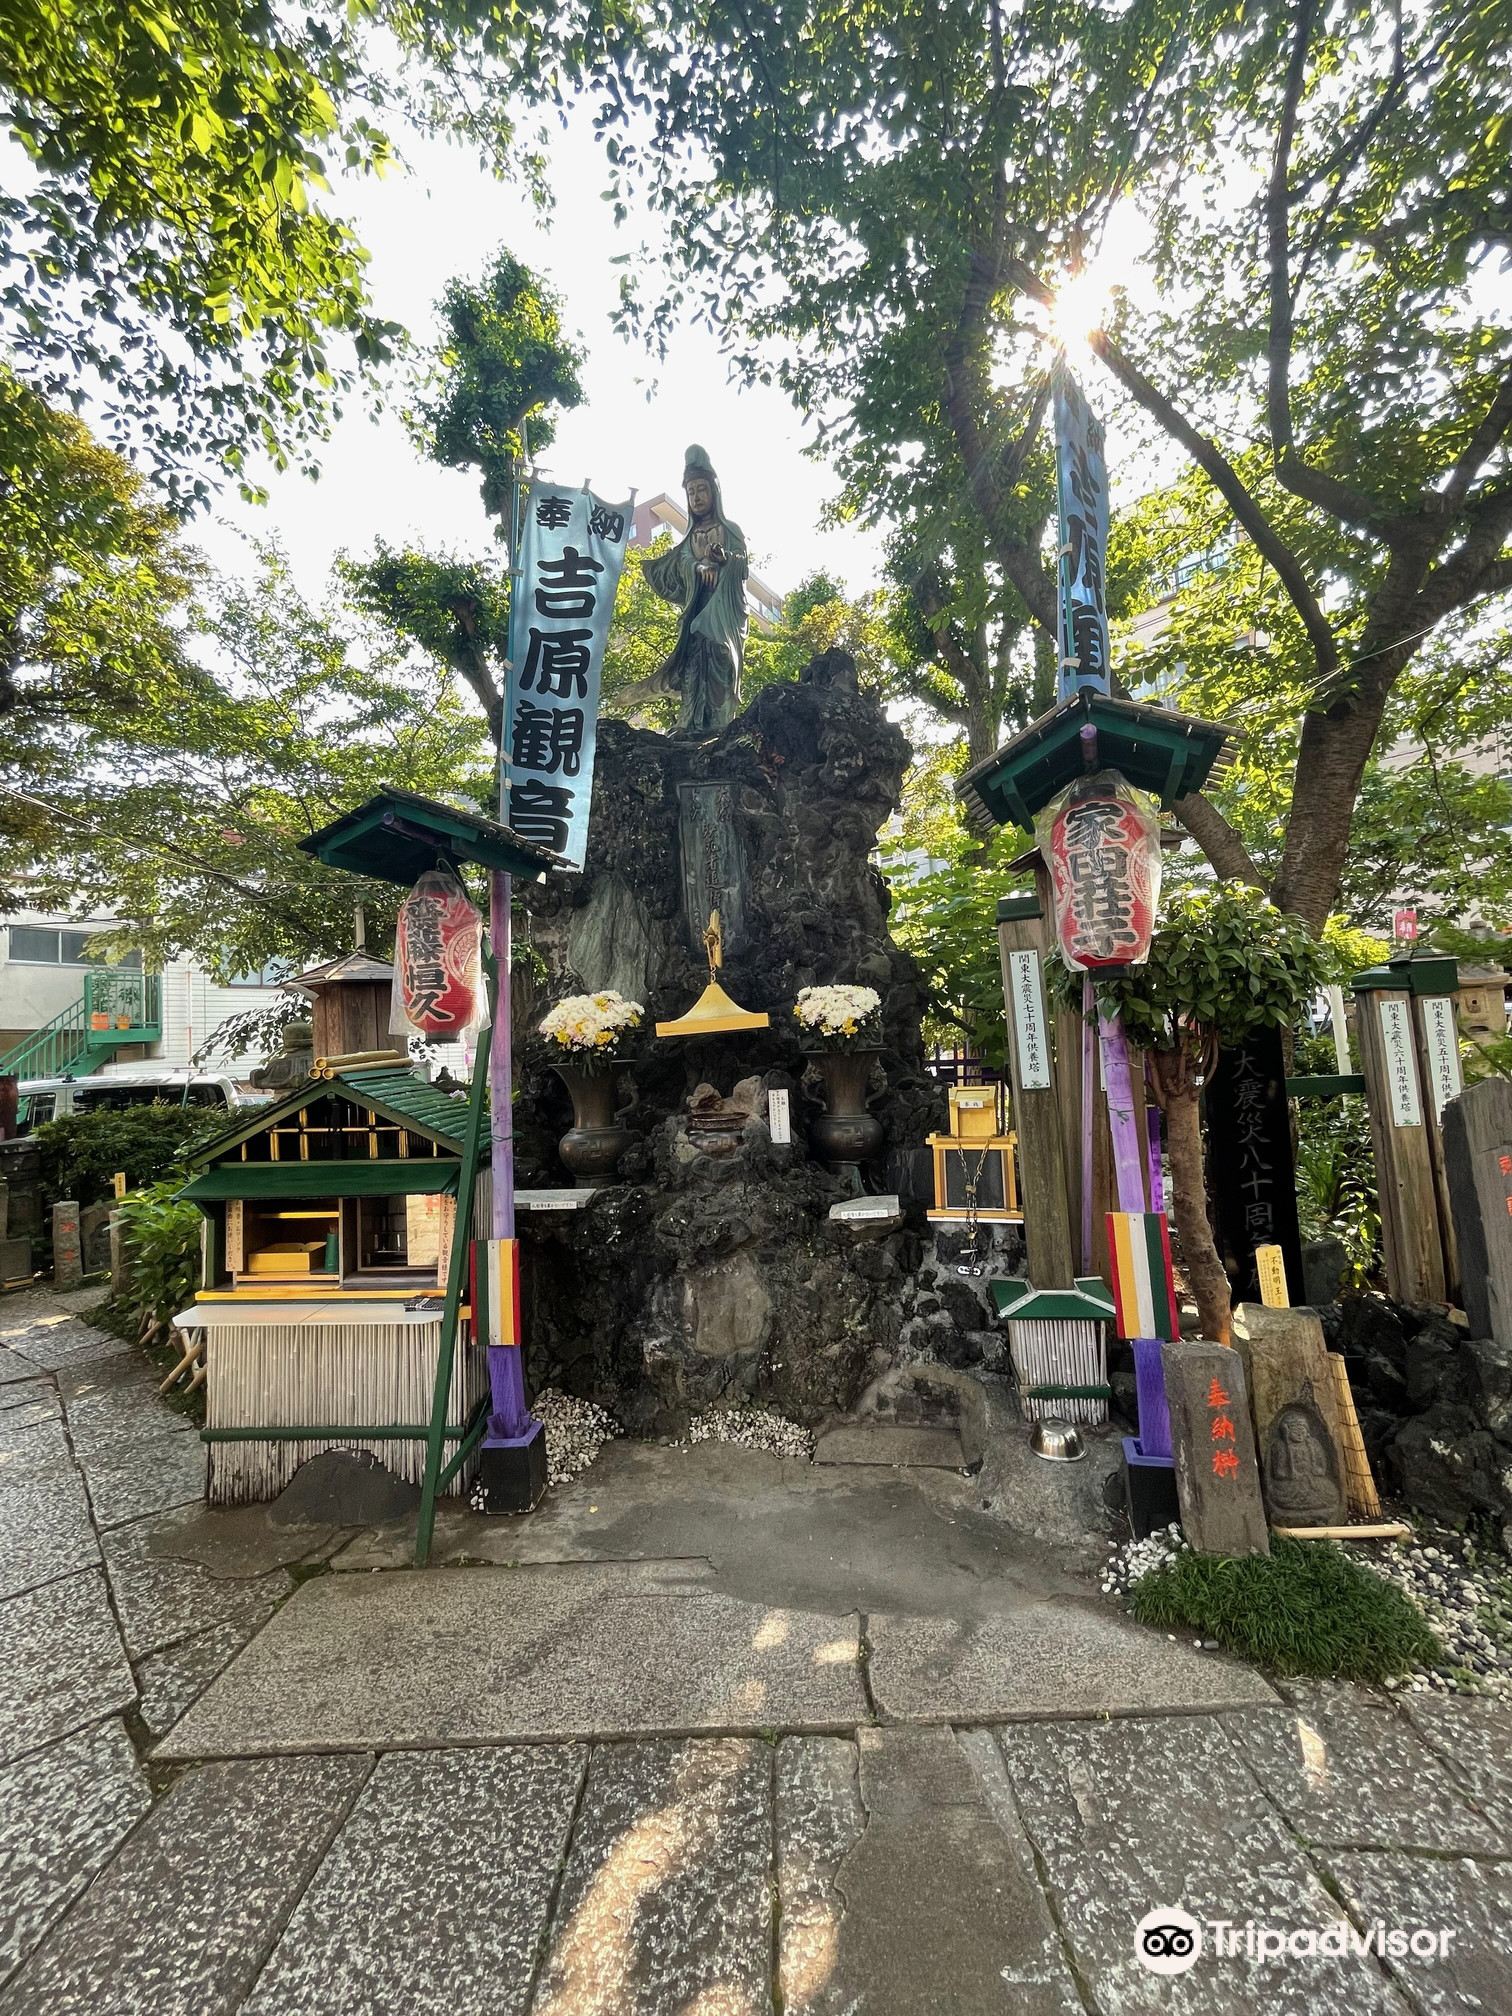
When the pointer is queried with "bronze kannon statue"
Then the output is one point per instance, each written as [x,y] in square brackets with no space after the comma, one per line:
[705,575]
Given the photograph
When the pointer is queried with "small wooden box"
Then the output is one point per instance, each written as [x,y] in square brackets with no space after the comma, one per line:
[973,1111]
[990,1163]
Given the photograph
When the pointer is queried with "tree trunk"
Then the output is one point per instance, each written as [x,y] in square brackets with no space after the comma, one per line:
[1204,1269]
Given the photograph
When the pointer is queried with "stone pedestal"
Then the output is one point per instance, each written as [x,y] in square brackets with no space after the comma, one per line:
[710,1268]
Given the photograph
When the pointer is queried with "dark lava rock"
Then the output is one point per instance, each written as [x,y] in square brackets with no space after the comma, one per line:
[343,1487]
[1447,1465]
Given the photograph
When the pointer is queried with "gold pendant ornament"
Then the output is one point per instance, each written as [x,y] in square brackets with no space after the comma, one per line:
[713,1013]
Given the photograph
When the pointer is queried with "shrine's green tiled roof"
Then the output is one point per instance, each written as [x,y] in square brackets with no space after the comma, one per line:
[395,1091]
[406,1096]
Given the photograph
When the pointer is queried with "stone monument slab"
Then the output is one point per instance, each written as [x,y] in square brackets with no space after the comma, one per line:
[1213,1443]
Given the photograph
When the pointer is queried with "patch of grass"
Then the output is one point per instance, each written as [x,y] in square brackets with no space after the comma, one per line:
[1305,1609]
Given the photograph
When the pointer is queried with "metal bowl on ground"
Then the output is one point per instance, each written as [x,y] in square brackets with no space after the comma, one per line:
[1057,1441]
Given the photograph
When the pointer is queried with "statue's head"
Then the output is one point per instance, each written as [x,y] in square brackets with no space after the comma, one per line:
[700,485]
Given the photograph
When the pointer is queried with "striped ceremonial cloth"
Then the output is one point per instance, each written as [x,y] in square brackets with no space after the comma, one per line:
[496,1291]
[1144,1293]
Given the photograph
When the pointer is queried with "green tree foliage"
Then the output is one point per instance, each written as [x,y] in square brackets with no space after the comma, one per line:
[169,242]
[503,365]
[184,818]
[1224,963]
[492,387]
[1325,189]
[92,579]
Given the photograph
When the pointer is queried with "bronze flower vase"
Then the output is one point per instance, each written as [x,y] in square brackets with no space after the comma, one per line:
[594,1143]
[845,1133]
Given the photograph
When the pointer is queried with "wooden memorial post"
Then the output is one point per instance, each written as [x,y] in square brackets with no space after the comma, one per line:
[1403,1132]
[1434,984]
[1042,1173]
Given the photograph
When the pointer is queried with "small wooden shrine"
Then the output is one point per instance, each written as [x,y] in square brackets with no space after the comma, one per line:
[975,1176]
[329,1222]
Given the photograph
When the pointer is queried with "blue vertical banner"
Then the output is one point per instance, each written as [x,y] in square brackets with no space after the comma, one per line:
[1082,486]
[571,551]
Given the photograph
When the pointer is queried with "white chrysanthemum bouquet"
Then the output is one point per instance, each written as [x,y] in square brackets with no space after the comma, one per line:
[589,1029]
[840,1018]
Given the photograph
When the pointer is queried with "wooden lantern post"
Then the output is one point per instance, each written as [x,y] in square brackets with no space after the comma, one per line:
[1031,1073]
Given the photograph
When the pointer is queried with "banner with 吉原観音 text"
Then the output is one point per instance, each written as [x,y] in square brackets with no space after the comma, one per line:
[1082,484]
[572,547]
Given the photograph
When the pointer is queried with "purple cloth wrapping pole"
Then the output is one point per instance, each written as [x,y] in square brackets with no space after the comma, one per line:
[1089,1123]
[1132,1161]
[1128,1156]
[1149,1386]
[509,1418]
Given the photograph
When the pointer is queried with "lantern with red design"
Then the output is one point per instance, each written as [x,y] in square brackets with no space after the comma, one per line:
[1101,838]
[438,967]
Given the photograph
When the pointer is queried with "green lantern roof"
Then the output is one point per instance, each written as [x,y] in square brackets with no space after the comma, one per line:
[1163,752]
[398,835]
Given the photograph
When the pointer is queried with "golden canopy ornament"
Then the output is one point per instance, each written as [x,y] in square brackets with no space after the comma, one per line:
[713,1013]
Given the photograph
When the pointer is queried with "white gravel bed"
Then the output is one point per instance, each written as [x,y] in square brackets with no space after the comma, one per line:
[1466,1596]
[752,1428]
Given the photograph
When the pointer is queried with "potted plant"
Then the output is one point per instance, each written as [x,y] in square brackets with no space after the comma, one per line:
[588,1034]
[842,1032]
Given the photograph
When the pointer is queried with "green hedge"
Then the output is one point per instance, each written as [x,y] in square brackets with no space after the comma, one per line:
[82,1152]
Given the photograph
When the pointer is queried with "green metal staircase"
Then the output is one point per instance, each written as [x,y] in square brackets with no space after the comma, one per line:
[116,1008]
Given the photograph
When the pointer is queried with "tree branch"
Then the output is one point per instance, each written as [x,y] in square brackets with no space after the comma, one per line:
[1220,842]
[1496,423]
[1314,486]
[1211,459]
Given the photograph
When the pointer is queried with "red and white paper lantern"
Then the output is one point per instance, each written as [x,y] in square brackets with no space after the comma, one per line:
[438,965]
[1101,838]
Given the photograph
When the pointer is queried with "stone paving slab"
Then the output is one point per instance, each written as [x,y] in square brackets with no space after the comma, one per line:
[1474,1738]
[819,1819]
[70,1342]
[44,1518]
[893,1443]
[489,1655]
[15,1365]
[433,1898]
[934,1903]
[28,1401]
[63,1814]
[1130,1816]
[182,1920]
[170,1680]
[1044,1659]
[1351,1774]
[1473,1900]
[162,1602]
[113,1400]
[234,1542]
[665,1902]
[132,1476]
[61,1662]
